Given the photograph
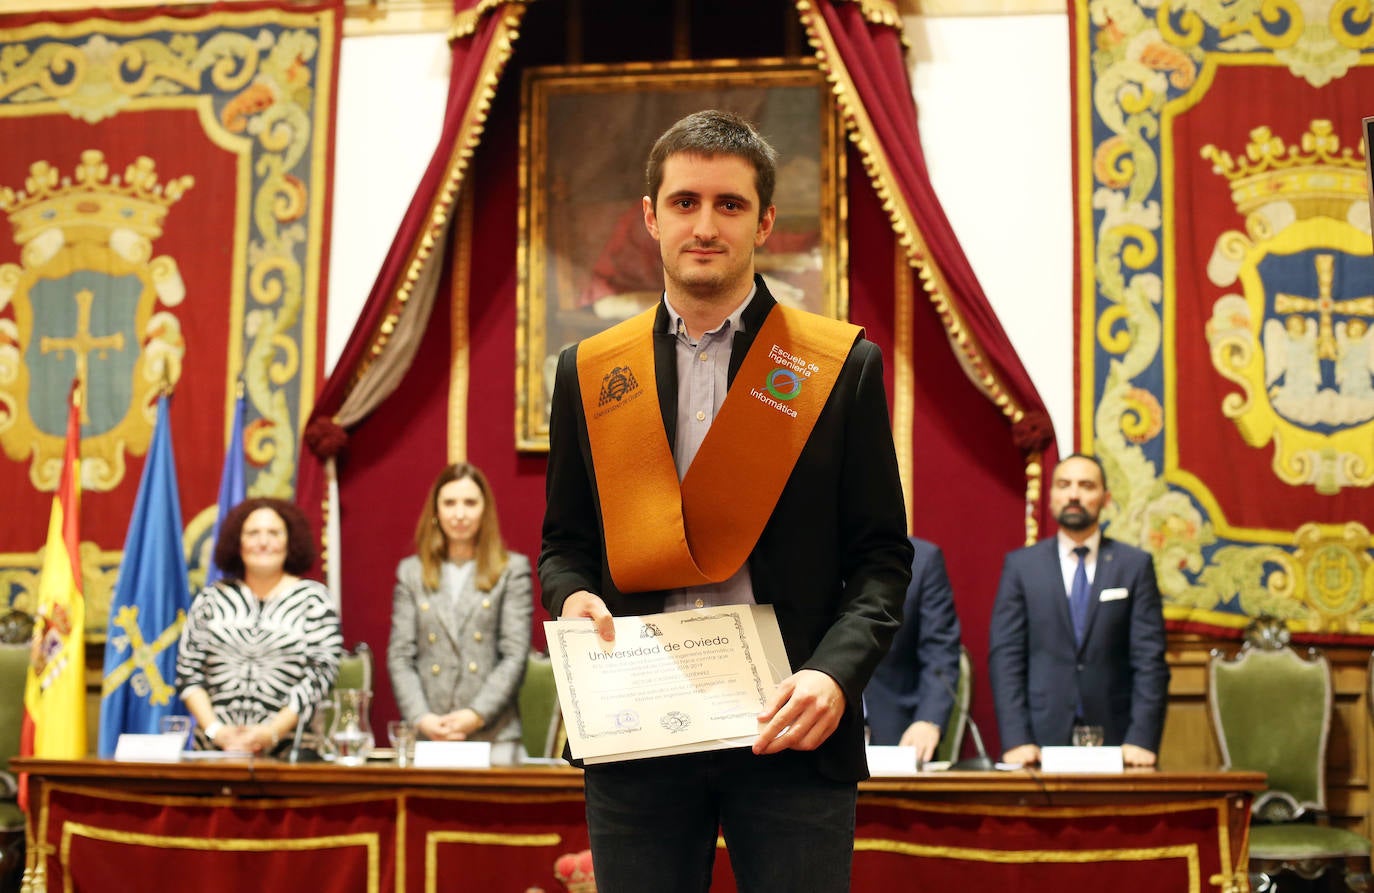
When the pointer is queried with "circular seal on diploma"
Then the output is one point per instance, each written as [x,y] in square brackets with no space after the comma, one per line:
[675,721]
[627,720]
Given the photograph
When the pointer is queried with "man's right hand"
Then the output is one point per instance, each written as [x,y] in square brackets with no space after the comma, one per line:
[1026,755]
[586,604]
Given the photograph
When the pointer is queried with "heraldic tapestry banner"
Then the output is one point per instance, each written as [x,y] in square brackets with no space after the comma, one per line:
[165,181]
[1225,291]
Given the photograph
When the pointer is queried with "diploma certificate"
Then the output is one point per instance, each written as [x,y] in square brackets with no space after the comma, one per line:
[672,683]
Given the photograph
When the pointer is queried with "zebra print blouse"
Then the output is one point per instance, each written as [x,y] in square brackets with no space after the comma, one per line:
[253,657]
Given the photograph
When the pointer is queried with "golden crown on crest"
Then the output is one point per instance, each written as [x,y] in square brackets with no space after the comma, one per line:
[1317,177]
[91,204]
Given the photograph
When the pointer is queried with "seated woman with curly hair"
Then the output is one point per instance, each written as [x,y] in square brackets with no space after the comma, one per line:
[261,647]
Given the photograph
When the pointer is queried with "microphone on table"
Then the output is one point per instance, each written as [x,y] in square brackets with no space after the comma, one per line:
[298,753]
[982,762]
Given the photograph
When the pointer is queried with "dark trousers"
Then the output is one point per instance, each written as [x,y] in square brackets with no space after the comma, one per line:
[653,823]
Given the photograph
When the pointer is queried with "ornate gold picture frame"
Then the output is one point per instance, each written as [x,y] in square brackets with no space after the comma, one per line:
[585,259]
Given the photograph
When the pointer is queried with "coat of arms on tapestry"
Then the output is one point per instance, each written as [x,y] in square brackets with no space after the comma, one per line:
[165,184]
[1225,300]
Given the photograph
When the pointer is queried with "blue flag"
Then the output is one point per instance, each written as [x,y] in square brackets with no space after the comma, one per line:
[231,485]
[150,602]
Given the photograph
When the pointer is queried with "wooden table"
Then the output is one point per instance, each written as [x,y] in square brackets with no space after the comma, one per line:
[271,826]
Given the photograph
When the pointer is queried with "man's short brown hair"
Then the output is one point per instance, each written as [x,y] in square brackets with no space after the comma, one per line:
[710,133]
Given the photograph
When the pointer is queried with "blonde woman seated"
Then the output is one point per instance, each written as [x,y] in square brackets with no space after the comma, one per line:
[260,648]
[460,619]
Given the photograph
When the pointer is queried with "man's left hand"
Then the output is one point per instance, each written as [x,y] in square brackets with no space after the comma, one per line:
[805,710]
[1134,755]
[922,735]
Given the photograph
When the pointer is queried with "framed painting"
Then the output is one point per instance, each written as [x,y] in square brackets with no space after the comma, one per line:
[586,260]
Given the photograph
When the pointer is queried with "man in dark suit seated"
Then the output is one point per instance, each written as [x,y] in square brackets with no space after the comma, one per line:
[1078,632]
[911,694]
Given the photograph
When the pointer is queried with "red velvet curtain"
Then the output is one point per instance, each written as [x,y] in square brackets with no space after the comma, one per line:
[969,494]
[872,54]
[423,222]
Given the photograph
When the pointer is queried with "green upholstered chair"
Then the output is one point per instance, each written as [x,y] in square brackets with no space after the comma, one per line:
[953,739]
[1271,711]
[355,668]
[16,628]
[540,718]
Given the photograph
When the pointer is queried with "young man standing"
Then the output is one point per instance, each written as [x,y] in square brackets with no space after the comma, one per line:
[720,449]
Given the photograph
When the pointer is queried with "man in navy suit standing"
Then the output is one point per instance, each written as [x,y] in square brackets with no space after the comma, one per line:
[1078,632]
[911,694]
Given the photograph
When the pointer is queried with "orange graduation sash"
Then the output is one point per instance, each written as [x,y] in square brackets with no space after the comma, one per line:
[660,534]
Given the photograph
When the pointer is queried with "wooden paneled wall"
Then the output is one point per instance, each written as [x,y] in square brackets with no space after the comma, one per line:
[1190,744]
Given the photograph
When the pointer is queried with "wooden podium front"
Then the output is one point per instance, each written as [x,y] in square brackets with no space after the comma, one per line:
[97,825]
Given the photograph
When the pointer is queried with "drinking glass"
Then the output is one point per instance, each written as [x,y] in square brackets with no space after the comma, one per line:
[1087,736]
[179,726]
[402,735]
[351,734]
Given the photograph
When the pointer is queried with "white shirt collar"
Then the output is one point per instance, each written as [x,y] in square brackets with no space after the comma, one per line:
[733,322]
[1066,546]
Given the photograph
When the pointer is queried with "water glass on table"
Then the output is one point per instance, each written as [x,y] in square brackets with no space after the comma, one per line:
[1087,736]
[402,735]
[179,726]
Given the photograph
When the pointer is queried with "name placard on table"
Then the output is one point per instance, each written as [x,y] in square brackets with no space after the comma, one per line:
[132,747]
[1081,759]
[892,759]
[453,754]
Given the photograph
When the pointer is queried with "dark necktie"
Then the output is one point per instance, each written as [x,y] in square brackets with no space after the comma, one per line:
[1078,594]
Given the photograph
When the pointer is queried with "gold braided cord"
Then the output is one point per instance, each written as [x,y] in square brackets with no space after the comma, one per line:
[863,135]
[904,379]
[465,22]
[460,352]
[441,206]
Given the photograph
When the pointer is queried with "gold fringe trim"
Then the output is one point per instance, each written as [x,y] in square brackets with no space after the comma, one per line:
[1035,484]
[882,12]
[864,137]
[441,209]
[465,22]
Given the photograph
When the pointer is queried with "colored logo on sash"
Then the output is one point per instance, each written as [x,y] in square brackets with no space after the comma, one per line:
[784,384]
[616,385]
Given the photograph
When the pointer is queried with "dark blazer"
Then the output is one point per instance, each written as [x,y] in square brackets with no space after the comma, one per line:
[833,558]
[1038,674]
[916,680]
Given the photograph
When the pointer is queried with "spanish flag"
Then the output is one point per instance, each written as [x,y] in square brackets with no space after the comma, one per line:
[55,693]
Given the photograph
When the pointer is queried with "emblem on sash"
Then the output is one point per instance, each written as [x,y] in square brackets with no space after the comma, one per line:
[616,385]
[84,306]
[1298,339]
[784,384]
